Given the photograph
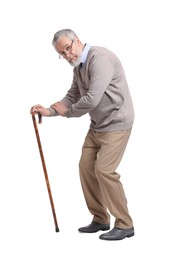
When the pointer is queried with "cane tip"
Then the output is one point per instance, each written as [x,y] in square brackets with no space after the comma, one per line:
[57,229]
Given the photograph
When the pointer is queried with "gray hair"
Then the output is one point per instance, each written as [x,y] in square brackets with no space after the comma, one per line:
[70,34]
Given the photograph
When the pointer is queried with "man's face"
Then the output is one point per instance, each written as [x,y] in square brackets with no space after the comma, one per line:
[70,50]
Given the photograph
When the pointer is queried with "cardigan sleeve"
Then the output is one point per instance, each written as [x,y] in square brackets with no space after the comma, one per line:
[72,96]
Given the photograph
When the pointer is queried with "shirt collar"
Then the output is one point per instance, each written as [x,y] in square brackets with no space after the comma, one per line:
[85,53]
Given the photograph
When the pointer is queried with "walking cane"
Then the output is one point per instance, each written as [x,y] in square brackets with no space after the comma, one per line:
[44,167]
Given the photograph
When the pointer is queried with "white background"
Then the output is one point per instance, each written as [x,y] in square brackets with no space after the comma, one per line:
[146,36]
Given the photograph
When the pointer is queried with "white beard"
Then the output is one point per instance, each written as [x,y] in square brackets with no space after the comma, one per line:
[76,63]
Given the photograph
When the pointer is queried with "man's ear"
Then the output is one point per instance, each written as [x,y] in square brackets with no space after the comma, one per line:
[76,40]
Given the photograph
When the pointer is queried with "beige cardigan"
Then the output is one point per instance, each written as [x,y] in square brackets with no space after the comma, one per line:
[100,88]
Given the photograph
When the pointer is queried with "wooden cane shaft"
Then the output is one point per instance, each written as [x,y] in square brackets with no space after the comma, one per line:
[44,168]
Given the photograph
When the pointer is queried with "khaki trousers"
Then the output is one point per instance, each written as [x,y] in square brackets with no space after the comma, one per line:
[101,155]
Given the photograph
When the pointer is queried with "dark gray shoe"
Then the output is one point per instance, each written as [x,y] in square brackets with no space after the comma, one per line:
[94,227]
[117,234]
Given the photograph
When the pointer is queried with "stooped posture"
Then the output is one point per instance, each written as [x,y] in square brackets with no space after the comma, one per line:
[99,87]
